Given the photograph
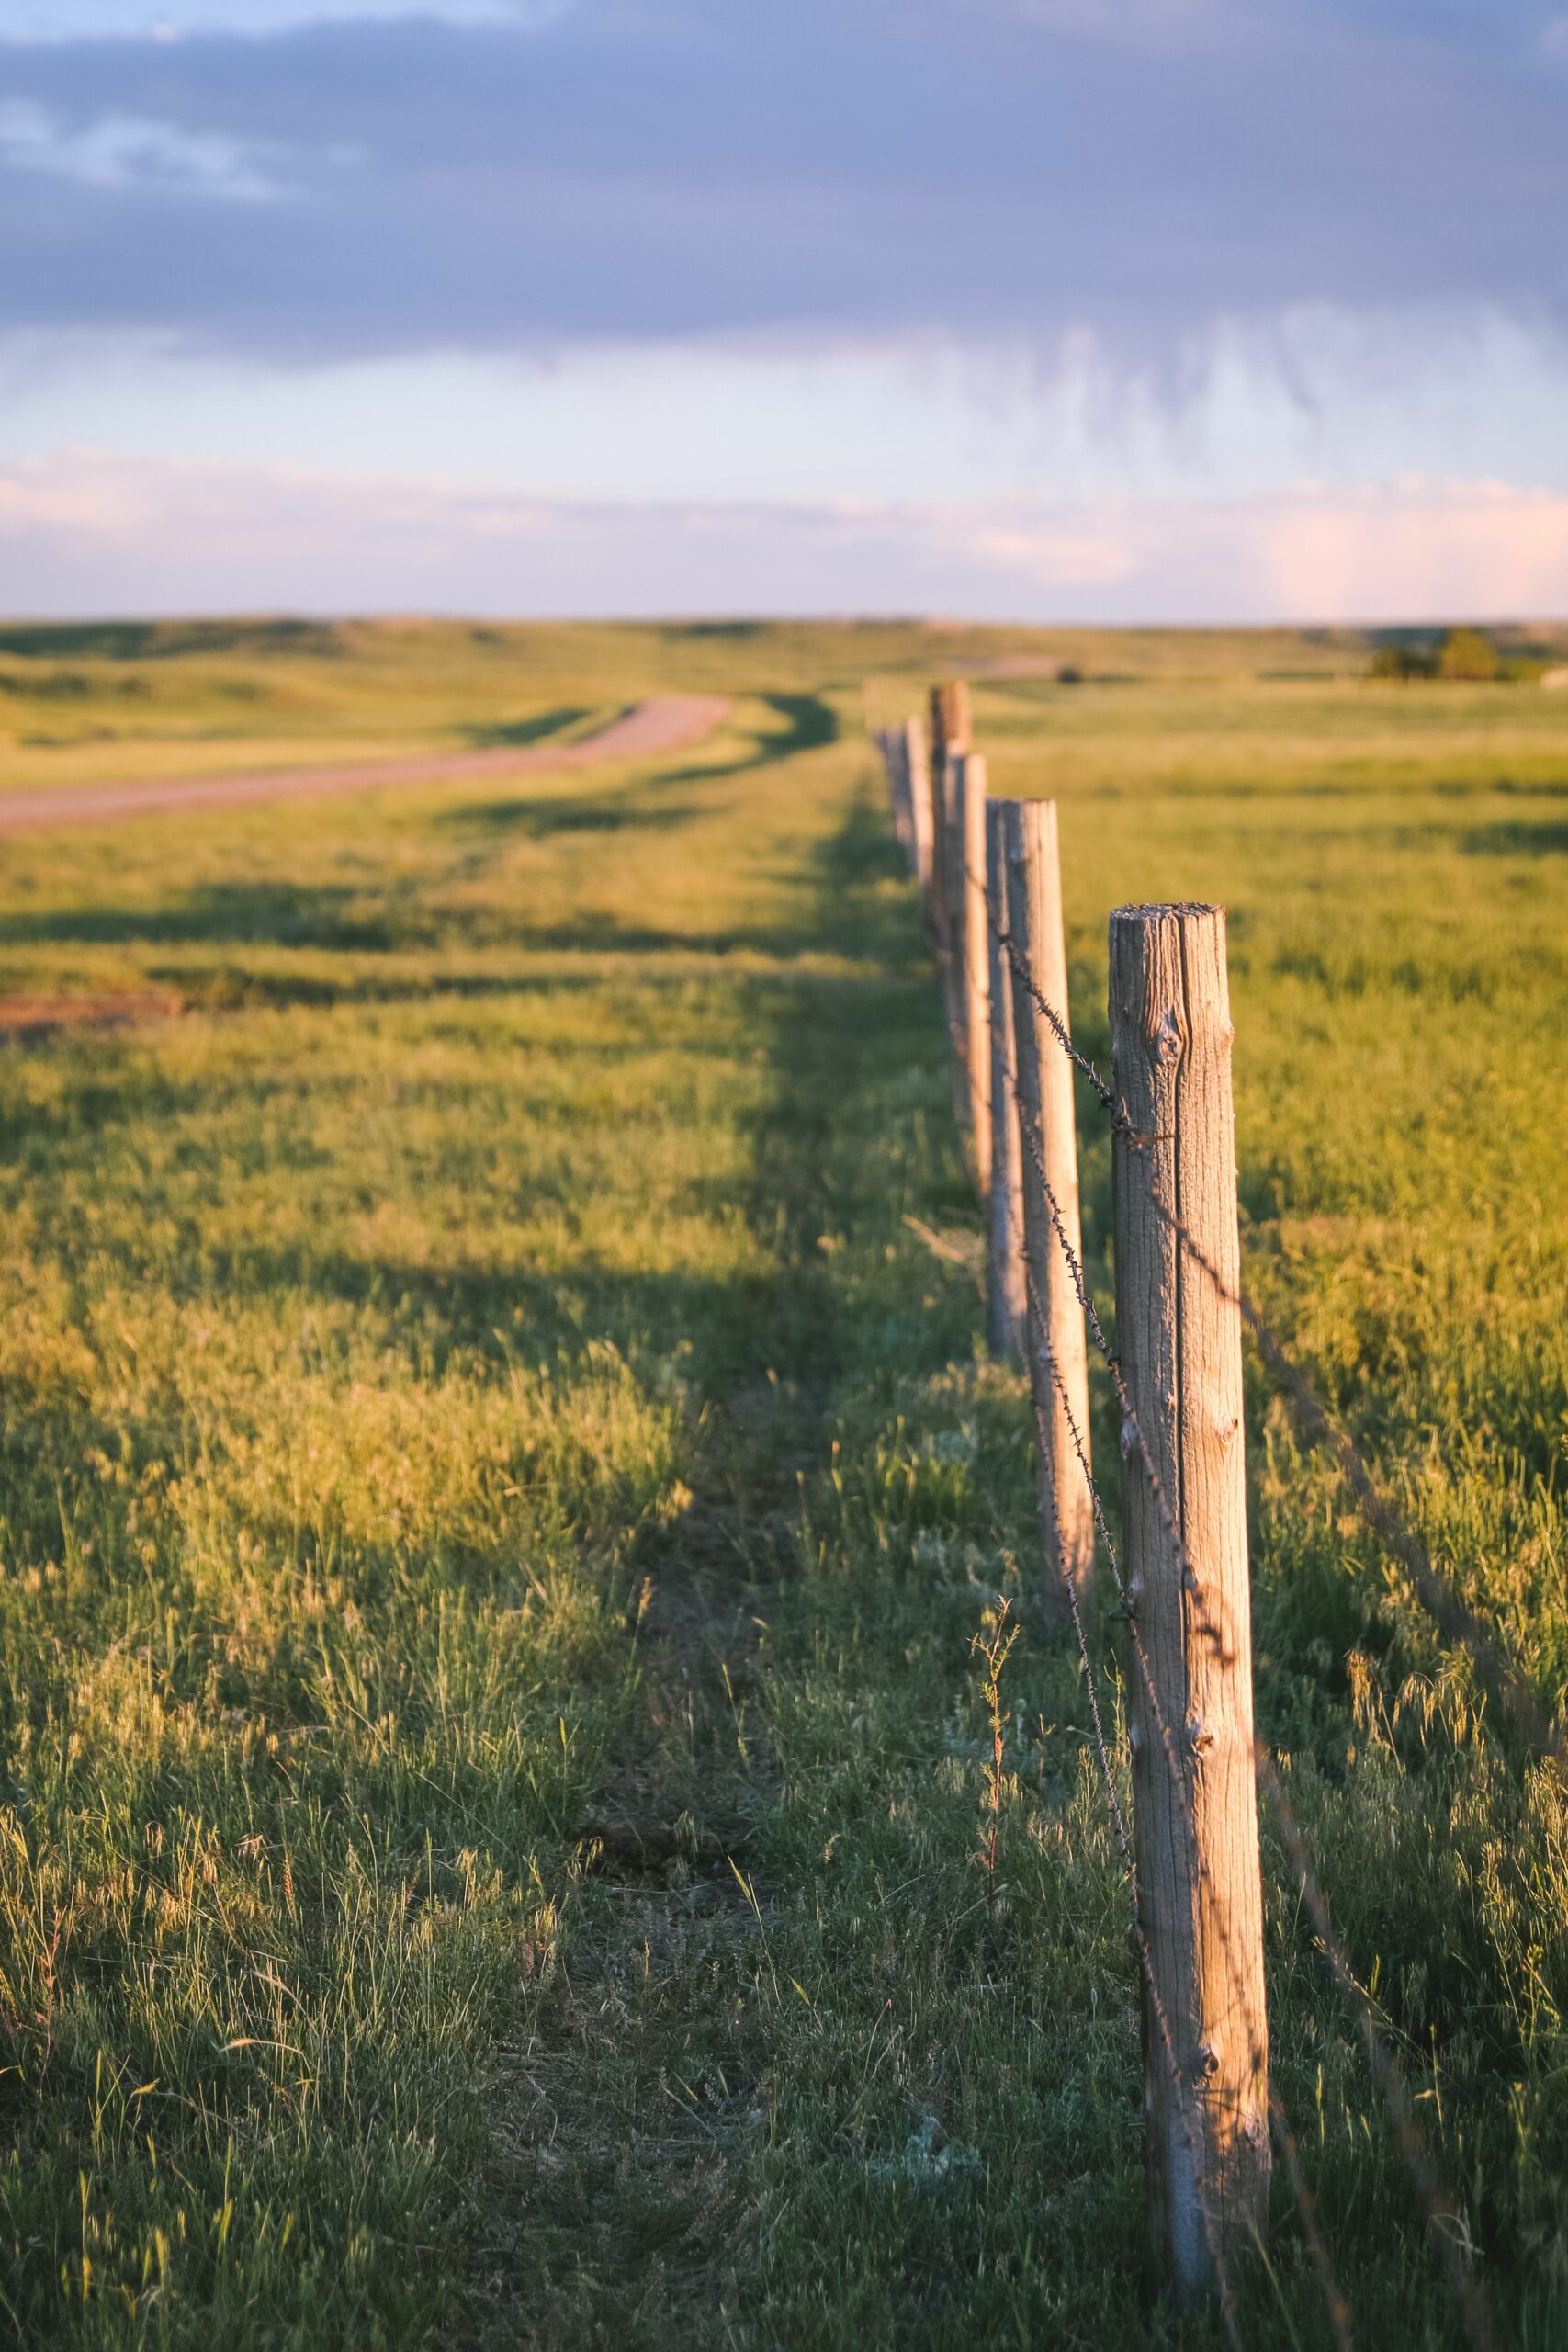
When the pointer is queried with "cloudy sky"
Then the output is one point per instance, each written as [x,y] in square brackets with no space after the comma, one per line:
[1059,308]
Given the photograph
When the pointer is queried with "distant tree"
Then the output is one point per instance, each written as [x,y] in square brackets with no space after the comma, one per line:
[1069,674]
[1467,654]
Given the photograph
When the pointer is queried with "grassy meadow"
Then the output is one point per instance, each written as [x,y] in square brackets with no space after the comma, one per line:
[501,1482]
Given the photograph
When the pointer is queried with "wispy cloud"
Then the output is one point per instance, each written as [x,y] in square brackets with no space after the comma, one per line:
[89,532]
[127,151]
[1129,24]
[40,22]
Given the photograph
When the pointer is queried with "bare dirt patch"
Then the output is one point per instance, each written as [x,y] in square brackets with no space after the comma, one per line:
[26,1017]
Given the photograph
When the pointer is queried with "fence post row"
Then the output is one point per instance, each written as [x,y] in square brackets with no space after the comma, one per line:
[1192,1860]
[1057,1356]
[1195,1825]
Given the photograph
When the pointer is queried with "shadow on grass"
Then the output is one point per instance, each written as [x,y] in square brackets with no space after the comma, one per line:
[566,813]
[1517,840]
[810,725]
[858,1084]
[855,1062]
[233,915]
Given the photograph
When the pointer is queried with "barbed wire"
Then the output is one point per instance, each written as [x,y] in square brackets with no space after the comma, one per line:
[1454,1618]
[1443,2214]
[1334,2299]
[1439,2210]
[1306,2206]
[1146,1958]
[1445,2221]
[1080,1059]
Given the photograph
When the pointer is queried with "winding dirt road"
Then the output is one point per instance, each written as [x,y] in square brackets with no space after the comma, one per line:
[664,723]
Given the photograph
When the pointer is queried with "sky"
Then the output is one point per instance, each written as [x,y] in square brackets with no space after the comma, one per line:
[1059,310]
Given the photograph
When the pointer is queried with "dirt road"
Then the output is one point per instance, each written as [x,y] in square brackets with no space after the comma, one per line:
[664,723]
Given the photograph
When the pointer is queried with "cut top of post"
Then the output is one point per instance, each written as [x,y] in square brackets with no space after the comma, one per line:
[951,727]
[1169,980]
[1174,908]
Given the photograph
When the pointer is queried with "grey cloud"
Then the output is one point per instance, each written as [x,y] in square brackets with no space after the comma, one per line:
[128,153]
[57,21]
[811,168]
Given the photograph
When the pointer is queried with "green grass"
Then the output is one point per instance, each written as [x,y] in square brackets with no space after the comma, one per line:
[496,1501]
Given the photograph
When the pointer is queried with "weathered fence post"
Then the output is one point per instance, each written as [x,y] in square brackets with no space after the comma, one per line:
[1057,1356]
[939,715]
[970,957]
[918,768]
[1178,1327]
[951,727]
[894,748]
[949,739]
[1006,1292]
[944,882]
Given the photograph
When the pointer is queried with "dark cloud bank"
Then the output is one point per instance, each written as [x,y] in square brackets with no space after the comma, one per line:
[745,166]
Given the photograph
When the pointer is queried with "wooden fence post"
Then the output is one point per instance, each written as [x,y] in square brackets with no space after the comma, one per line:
[896,755]
[950,738]
[1179,1329]
[919,774]
[944,791]
[1006,1292]
[951,723]
[970,957]
[951,907]
[1057,1354]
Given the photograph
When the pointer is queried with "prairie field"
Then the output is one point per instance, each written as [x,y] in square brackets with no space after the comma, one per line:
[500,1483]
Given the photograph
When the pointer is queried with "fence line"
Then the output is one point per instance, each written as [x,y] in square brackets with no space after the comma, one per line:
[1438,2208]
[1453,1617]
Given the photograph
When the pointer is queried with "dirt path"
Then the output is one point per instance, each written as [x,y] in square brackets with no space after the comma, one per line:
[664,723]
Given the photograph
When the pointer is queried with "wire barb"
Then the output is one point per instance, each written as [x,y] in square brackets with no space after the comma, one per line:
[1450,1613]
[1438,2208]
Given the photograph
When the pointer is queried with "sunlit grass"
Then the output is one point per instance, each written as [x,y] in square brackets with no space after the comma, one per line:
[496,1500]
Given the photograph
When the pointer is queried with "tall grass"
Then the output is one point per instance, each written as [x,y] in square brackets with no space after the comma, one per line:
[498,1497]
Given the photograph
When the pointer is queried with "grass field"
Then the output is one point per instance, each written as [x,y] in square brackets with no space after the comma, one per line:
[498,1497]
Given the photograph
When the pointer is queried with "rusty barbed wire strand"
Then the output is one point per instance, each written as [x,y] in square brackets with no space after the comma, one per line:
[1445,2221]
[1080,1059]
[1306,2206]
[1168,2040]
[1439,2210]
[1441,2214]
[1454,1617]
[1334,2297]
